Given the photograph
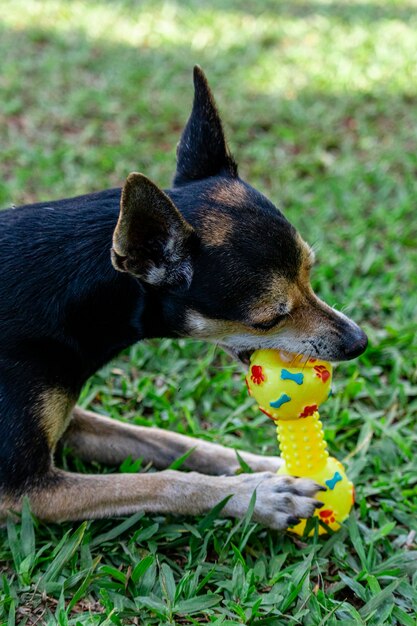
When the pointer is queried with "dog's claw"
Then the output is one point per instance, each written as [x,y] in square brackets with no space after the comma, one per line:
[281,501]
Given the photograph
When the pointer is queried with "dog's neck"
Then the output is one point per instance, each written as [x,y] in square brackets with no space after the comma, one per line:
[78,311]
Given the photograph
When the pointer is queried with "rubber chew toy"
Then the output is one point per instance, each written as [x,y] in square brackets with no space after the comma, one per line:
[290,390]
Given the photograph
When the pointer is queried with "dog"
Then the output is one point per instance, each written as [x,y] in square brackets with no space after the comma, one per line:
[83,278]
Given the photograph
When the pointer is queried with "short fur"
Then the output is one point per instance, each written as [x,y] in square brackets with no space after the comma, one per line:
[86,277]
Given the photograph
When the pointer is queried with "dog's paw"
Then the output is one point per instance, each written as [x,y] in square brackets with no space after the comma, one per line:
[281,501]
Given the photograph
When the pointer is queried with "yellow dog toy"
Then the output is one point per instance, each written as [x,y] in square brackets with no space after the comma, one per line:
[289,390]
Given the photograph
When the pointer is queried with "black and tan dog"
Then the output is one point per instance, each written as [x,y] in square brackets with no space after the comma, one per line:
[81,279]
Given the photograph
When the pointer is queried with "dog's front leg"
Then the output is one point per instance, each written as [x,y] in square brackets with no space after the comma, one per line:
[96,438]
[60,496]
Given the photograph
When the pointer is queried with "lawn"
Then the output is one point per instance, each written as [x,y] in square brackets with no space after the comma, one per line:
[319,100]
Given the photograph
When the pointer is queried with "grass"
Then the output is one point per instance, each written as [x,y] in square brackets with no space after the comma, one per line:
[319,101]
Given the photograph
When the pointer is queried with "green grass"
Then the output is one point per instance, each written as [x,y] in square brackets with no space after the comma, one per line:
[319,100]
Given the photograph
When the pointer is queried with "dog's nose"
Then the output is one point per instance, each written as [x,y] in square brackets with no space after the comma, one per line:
[356,346]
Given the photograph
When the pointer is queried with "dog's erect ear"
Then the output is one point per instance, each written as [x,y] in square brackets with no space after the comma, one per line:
[202,151]
[152,240]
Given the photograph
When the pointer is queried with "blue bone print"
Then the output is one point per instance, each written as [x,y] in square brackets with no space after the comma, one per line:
[297,378]
[276,404]
[331,483]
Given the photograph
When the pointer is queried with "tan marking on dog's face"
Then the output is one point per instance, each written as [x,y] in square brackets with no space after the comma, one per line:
[282,296]
[307,262]
[216,228]
[55,407]
[276,300]
[232,194]
[202,327]
[287,315]
[284,303]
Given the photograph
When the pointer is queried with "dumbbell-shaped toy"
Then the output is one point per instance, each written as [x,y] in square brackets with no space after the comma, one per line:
[290,389]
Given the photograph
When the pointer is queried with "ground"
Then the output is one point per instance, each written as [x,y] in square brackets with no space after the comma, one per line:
[319,100]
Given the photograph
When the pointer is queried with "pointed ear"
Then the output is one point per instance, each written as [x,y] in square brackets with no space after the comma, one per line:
[152,240]
[202,151]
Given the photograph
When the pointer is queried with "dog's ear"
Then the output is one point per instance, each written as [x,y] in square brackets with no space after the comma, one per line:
[152,240]
[202,150]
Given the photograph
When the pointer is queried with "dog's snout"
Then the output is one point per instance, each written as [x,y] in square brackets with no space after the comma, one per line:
[356,344]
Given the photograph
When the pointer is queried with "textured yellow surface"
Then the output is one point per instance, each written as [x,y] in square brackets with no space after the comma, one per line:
[311,459]
[290,390]
[288,387]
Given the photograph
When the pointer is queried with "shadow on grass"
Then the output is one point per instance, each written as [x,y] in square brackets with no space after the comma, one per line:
[348,12]
[79,114]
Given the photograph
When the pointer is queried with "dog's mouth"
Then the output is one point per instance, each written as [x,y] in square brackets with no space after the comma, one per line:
[243,356]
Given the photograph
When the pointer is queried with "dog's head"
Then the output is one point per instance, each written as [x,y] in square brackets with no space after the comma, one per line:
[219,259]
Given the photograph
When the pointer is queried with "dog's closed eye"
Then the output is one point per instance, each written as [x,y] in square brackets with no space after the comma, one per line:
[267,325]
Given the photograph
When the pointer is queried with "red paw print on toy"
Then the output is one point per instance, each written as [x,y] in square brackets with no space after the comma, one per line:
[322,372]
[257,375]
[327,516]
[309,410]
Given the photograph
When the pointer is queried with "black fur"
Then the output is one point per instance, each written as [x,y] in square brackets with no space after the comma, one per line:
[65,310]
[202,151]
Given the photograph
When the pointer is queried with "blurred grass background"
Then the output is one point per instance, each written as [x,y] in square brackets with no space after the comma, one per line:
[319,101]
